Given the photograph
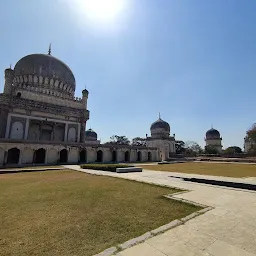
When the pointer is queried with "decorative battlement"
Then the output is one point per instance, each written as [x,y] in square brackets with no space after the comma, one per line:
[53,85]
[50,107]
[170,138]
[47,91]
[217,139]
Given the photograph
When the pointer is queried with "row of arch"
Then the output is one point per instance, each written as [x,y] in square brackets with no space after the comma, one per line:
[114,156]
[54,83]
[13,156]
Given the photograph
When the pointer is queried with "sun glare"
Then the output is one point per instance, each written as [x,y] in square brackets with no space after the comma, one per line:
[102,10]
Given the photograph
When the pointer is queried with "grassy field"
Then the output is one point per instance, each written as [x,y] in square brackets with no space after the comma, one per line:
[73,213]
[33,167]
[215,169]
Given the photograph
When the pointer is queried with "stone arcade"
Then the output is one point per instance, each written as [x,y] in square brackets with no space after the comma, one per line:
[43,123]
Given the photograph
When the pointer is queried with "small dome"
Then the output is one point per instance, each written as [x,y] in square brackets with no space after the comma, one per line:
[90,134]
[212,134]
[160,124]
[45,65]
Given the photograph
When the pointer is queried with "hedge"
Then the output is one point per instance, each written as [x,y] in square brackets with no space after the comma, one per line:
[105,167]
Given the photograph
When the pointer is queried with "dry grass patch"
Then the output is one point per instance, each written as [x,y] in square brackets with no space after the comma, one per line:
[215,169]
[73,213]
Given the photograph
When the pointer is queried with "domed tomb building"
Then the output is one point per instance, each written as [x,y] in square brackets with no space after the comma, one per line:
[160,138]
[213,139]
[91,137]
[43,123]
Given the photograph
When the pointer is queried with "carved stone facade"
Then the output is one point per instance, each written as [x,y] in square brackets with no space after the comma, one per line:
[43,123]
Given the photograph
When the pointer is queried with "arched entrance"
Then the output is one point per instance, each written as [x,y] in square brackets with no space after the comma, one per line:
[149,156]
[39,156]
[99,156]
[114,158]
[13,156]
[83,156]
[63,156]
[127,156]
[139,156]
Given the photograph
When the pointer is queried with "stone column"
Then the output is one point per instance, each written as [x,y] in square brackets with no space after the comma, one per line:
[5,157]
[40,130]
[3,117]
[7,132]
[66,132]
[53,132]
[46,156]
[58,157]
[26,129]
[82,137]
[78,133]
[117,155]
[20,158]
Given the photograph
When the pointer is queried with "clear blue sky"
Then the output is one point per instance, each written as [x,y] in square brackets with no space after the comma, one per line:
[194,61]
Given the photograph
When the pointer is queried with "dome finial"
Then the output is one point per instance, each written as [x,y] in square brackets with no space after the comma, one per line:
[211,126]
[50,49]
[159,115]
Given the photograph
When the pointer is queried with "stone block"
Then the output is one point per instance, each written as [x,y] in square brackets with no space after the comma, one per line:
[128,169]
[134,241]
[107,252]
[166,227]
[190,216]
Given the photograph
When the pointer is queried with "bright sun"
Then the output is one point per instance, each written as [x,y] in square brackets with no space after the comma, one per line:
[102,10]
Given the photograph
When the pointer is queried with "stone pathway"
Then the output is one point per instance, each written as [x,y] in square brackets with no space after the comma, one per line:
[223,162]
[229,229]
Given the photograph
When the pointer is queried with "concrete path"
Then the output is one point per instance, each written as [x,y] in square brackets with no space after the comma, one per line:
[247,180]
[229,229]
[222,162]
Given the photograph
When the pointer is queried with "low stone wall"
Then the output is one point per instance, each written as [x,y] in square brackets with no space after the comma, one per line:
[24,154]
[128,169]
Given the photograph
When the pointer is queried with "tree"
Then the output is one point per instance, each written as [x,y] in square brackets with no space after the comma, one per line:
[193,148]
[211,150]
[180,146]
[233,150]
[139,141]
[119,140]
[252,148]
[251,134]
[251,138]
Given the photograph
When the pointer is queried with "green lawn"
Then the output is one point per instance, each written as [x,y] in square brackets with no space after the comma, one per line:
[215,169]
[43,167]
[73,213]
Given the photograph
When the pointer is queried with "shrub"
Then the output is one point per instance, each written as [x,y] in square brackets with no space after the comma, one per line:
[104,167]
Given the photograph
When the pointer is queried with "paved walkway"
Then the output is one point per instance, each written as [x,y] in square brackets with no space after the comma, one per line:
[222,162]
[229,229]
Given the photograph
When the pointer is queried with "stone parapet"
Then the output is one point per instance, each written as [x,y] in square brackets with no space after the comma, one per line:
[32,105]
[76,144]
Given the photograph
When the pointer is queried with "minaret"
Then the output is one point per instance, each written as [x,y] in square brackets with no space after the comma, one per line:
[8,76]
[85,94]
[83,121]
[50,49]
